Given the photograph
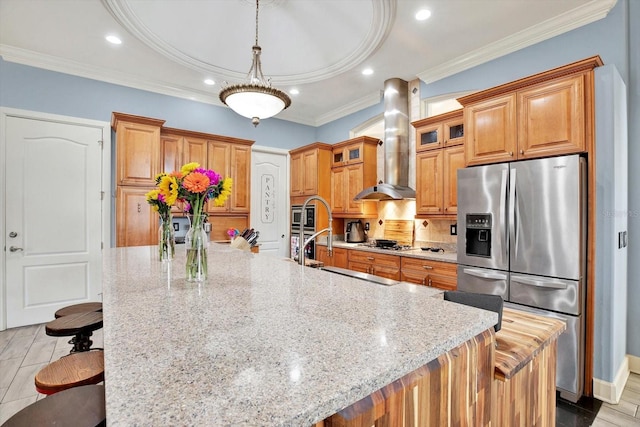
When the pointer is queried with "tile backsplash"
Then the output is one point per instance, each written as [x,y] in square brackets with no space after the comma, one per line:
[436,230]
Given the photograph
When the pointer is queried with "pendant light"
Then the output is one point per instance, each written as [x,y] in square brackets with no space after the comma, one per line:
[255,99]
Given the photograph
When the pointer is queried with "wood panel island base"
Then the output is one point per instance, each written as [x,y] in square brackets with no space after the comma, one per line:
[268,342]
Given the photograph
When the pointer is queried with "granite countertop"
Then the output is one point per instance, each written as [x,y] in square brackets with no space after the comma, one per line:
[446,256]
[263,341]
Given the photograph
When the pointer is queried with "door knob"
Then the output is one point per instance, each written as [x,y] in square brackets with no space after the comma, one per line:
[14,249]
[282,236]
[13,234]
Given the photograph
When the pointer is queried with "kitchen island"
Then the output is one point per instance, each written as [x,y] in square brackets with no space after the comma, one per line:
[263,341]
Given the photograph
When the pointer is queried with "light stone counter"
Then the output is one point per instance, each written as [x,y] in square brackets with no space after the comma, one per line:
[451,257]
[263,342]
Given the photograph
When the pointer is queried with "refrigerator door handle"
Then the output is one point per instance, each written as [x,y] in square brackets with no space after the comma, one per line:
[512,214]
[503,215]
[483,274]
[539,283]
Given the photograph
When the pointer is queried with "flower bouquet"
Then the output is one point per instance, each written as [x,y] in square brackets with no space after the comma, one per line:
[162,198]
[196,187]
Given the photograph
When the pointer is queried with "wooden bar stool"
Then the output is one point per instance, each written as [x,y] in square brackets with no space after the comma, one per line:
[70,371]
[78,308]
[79,406]
[81,325]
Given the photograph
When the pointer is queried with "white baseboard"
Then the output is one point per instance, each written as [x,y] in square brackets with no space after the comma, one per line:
[634,363]
[611,392]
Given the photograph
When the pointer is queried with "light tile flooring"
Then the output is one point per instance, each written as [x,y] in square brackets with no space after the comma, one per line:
[23,352]
[26,350]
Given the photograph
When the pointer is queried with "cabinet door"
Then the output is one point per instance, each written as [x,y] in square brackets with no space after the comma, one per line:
[354,185]
[171,146]
[322,255]
[138,153]
[429,137]
[446,283]
[359,266]
[136,221]
[310,173]
[551,118]
[491,131]
[453,160]
[338,194]
[297,175]
[340,257]
[453,132]
[240,200]
[218,157]
[414,276]
[429,179]
[195,150]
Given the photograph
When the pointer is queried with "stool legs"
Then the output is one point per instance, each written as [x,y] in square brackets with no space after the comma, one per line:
[81,342]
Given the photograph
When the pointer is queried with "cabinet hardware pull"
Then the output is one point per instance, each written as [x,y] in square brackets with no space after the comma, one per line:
[427,267]
[370,258]
[521,151]
[139,208]
[429,282]
[511,153]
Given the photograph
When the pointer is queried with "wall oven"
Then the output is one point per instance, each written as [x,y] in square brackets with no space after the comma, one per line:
[307,222]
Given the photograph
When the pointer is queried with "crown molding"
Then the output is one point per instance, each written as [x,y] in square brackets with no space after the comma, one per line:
[583,15]
[352,107]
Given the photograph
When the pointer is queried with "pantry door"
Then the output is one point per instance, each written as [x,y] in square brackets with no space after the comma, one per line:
[53,216]
[270,199]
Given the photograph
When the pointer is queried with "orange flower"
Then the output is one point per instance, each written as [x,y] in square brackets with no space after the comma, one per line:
[196,182]
[176,174]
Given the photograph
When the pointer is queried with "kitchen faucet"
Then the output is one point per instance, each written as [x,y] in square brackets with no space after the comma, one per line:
[328,229]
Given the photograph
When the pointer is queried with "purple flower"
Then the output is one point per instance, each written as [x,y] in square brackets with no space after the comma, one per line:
[187,206]
[214,177]
[161,198]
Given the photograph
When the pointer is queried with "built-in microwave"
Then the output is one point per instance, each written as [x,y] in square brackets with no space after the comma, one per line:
[306,219]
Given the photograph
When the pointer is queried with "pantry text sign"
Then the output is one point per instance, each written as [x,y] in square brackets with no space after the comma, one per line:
[268,198]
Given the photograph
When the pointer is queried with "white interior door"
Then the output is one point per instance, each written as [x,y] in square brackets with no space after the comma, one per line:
[53,217]
[270,199]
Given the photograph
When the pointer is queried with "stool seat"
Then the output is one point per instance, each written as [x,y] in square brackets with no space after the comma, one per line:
[81,325]
[79,406]
[71,371]
[78,308]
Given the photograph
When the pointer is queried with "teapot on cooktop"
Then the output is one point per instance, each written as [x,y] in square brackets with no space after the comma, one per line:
[355,232]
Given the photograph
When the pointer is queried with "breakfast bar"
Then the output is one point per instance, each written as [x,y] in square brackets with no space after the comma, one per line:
[263,341]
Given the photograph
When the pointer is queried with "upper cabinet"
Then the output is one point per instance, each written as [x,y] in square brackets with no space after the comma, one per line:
[439,131]
[232,160]
[354,169]
[437,163]
[310,166]
[538,116]
[137,149]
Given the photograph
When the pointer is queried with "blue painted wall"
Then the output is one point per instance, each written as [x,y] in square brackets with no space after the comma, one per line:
[35,89]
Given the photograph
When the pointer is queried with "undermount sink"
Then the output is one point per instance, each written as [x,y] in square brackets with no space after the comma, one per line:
[362,276]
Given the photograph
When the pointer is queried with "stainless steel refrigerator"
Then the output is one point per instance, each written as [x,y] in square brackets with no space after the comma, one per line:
[522,235]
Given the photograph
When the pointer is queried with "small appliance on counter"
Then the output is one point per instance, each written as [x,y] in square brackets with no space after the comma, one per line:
[355,232]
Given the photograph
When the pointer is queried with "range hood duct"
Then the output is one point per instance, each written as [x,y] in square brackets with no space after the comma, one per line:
[396,146]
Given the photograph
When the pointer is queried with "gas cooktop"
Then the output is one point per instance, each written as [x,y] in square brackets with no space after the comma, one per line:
[395,247]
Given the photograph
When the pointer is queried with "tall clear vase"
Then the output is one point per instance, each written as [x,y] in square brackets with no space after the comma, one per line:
[166,238]
[196,242]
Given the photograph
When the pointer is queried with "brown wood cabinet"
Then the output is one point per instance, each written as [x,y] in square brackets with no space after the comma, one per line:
[442,275]
[137,149]
[310,167]
[443,130]
[374,263]
[437,163]
[339,257]
[540,116]
[144,149]
[136,222]
[354,168]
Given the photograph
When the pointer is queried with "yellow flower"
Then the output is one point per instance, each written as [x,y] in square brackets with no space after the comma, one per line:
[152,195]
[159,176]
[224,194]
[168,186]
[189,167]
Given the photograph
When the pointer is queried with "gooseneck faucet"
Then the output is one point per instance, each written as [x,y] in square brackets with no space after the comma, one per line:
[328,229]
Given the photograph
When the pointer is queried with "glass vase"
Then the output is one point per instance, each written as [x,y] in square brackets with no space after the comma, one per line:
[166,238]
[196,242]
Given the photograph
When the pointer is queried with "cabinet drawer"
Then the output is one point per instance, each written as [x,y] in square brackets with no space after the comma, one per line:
[379,260]
[429,266]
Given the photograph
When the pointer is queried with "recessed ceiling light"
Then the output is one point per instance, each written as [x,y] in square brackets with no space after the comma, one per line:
[114,39]
[367,71]
[209,82]
[294,91]
[423,14]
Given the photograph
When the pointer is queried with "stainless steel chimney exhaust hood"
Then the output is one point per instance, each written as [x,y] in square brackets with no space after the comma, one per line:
[396,146]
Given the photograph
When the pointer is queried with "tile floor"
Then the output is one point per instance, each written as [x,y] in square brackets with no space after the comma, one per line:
[26,350]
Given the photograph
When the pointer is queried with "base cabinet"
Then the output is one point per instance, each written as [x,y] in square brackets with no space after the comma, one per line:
[137,223]
[373,263]
[442,275]
[338,257]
